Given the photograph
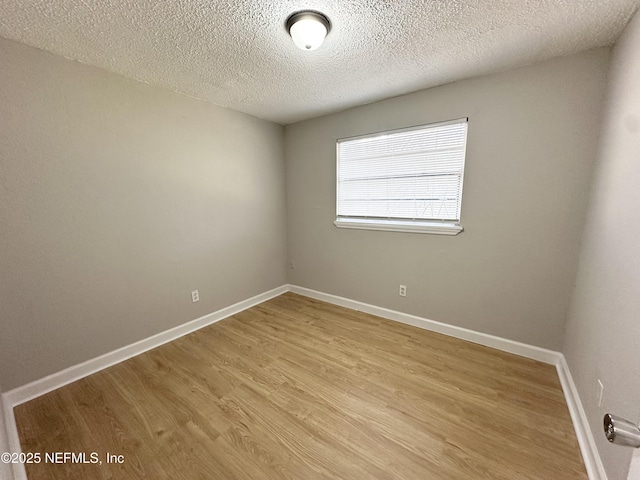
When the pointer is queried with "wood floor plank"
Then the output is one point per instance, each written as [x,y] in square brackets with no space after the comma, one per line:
[295,388]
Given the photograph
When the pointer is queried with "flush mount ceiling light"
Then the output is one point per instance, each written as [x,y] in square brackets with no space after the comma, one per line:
[308,29]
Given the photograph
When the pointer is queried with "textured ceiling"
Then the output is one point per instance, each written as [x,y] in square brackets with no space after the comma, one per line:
[237,54]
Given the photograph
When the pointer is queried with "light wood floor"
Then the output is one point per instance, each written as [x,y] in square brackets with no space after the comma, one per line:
[296,388]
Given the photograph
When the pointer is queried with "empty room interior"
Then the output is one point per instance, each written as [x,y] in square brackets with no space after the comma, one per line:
[320,240]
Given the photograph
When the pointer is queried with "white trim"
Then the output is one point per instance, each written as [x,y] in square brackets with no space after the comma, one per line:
[22,394]
[6,423]
[437,228]
[390,155]
[47,384]
[51,382]
[19,472]
[511,346]
[590,455]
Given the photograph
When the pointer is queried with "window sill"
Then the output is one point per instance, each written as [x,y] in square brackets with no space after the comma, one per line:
[435,228]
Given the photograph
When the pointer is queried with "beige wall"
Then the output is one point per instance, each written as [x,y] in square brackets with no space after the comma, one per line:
[116,200]
[603,330]
[531,146]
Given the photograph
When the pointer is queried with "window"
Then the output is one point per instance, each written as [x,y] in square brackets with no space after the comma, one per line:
[406,180]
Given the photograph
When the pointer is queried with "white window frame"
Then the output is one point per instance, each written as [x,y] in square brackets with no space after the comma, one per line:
[431,226]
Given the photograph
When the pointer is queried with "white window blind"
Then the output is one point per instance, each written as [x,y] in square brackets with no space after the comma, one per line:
[403,177]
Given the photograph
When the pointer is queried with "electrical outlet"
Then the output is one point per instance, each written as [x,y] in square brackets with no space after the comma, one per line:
[403,291]
[292,264]
[600,393]
[195,296]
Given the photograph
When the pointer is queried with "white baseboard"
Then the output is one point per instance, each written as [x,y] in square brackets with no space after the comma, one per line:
[588,448]
[18,470]
[51,382]
[47,384]
[34,389]
[510,346]
[590,455]
[6,422]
